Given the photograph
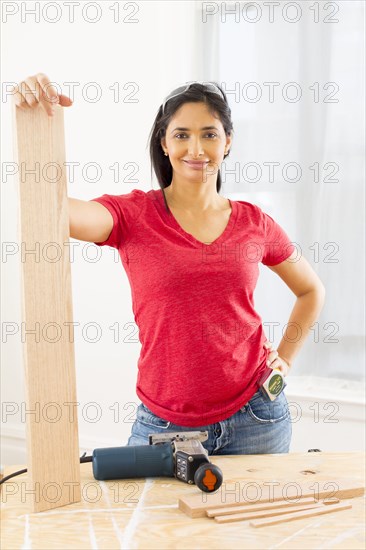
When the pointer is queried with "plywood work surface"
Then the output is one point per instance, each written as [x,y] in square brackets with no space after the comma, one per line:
[144,513]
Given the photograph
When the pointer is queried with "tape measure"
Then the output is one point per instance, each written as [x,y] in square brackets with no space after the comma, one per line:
[272,383]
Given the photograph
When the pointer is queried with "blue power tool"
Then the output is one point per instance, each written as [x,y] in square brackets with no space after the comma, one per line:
[172,454]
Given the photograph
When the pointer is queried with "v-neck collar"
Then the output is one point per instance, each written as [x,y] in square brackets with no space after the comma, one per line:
[169,217]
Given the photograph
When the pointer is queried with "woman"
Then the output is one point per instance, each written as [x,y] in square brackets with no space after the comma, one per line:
[192,257]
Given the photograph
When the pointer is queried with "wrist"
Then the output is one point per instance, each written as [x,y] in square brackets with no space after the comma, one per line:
[288,363]
[285,360]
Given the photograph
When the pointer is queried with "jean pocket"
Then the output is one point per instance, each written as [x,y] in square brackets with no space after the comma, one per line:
[148,418]
[263,410]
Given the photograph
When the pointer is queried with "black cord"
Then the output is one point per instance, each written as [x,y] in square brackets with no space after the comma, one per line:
[86,458]
[83,458]
[12,475]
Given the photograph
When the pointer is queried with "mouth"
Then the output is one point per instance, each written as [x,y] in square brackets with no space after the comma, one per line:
[196,163]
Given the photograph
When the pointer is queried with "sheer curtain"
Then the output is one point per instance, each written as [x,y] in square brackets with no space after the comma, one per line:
[296,90]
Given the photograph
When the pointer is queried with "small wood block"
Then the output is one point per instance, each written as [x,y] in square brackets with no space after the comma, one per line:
[195,506]
[300,515]
[264,513]
[226,511]
[48,354]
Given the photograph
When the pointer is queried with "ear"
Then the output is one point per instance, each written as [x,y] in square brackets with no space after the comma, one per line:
[163,143]
[229,140]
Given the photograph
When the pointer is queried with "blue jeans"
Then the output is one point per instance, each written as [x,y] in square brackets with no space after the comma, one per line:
[261,426]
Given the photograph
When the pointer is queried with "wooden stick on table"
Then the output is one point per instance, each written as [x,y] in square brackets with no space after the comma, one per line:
[227,510]
[267,513]
[299,515]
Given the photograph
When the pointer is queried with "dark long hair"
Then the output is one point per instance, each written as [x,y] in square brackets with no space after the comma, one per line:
[195,93]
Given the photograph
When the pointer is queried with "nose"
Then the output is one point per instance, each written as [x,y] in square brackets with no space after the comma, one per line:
[195,147]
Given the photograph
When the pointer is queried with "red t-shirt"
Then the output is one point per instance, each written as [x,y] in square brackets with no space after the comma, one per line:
[202,340]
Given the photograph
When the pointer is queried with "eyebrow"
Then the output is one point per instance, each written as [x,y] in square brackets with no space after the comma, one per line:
[186,129]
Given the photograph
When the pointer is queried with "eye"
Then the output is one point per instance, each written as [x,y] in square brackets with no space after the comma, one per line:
[209,134]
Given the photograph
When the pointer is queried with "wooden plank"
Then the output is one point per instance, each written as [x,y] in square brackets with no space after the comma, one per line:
[264,513]
[52,429]
[227,510]
[300,515]
[195,506]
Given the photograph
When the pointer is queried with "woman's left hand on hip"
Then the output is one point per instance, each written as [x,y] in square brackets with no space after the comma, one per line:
[274,361]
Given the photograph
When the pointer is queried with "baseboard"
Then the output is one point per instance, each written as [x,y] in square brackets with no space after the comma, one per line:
[14,445]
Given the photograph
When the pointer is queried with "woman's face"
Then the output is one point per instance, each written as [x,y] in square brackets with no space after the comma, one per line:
[194,134]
